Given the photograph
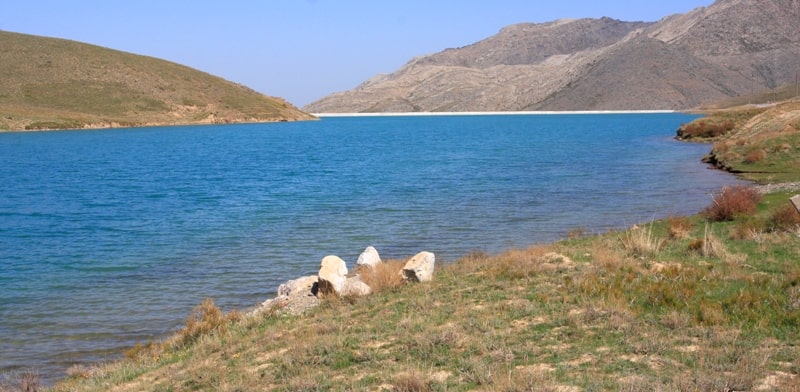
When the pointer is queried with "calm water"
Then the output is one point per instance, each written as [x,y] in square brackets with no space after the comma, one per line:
[109,238]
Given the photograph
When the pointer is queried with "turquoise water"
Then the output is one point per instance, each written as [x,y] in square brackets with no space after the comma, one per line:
[109,238]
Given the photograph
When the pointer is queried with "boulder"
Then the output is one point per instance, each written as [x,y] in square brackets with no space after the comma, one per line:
[286,305]
[369,257]
[332,275]
[306,285]
[355,287]
[419,268]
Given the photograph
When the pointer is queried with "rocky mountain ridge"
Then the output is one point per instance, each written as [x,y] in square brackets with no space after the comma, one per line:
[727,49]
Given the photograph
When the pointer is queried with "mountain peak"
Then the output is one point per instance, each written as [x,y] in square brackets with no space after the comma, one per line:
[726,49]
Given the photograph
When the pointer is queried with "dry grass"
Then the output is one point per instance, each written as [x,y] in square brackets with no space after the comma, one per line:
[679,227]
[383,276]
[641,241]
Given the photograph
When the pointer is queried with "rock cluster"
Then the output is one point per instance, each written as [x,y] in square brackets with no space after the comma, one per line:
[297,296]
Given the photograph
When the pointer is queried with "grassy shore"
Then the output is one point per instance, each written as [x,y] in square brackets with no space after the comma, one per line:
[703,303]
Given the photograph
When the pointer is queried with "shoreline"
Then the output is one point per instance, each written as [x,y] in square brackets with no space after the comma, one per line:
[518,113]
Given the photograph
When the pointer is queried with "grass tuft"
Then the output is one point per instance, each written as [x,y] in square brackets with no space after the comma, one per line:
[383,276]
[679,227]
[641,242]
[204,319]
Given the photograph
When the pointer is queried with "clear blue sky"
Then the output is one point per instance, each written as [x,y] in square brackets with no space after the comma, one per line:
[302,50]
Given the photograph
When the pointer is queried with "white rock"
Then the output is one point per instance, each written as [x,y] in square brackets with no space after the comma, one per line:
[419,268]
[356,287]
[299,286]
[369,257]
[332,275]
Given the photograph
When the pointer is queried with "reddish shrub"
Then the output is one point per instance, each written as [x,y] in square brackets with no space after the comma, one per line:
[704,129]
[731,202]
[785,218]
[754,156]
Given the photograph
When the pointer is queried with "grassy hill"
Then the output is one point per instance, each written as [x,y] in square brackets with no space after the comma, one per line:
[703,303]
[48,83]
[759,141]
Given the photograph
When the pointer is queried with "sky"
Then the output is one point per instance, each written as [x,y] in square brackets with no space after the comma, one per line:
[302,50]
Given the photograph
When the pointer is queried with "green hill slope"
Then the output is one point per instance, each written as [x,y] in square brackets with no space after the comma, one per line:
[48,83]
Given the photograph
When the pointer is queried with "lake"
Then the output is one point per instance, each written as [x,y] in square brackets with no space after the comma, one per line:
[110,237]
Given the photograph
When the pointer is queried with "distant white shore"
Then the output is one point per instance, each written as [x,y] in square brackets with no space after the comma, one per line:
[490,113]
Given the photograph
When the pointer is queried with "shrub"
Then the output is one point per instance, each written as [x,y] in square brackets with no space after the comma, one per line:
[679,227]
[753,156]
[205,318]
[748,229]
[731,202]
[784,218]
[705,129]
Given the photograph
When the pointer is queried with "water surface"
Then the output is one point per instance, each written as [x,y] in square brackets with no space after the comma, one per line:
[110,237]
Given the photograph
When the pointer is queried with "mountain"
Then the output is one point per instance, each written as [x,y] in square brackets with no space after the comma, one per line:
[48,83]
[730,48]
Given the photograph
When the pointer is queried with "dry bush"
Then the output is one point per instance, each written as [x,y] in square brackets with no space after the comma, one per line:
[748,229]
[705,129]
[753,156]
[385,275]
[721,147]
[731,202]
[141,351]
[411,382]
[713,246]
[205,318]
[679,227]
[784,218]
[640,242]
